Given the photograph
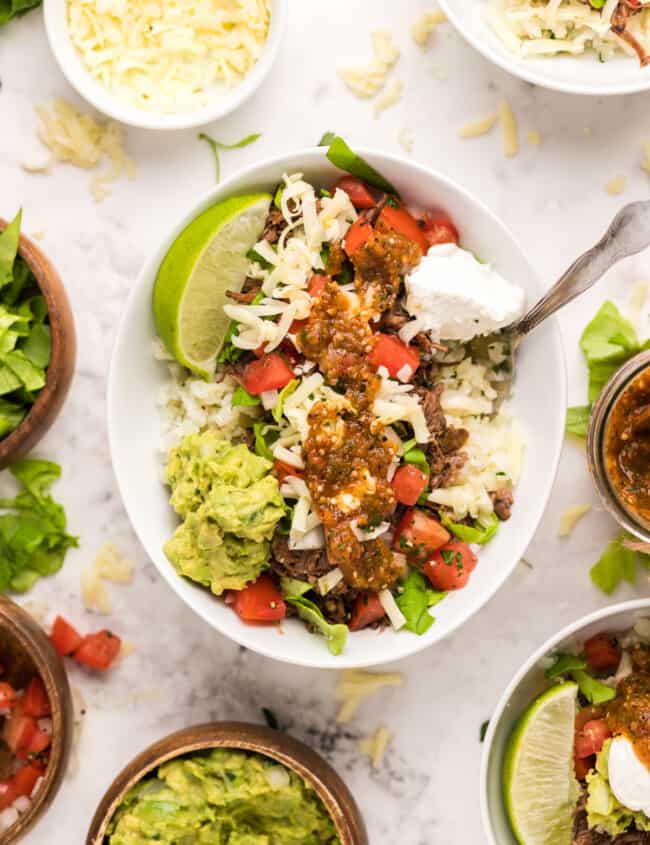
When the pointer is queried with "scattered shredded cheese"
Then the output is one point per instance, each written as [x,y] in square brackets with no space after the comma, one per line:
[94,594]
[645,163]
[534,137]
[374,746]
[82,141]
[112,565]
[406,139]
[637,302]
[615,186]
[168,57]
[38,610]
[425,25]
[354,685]
[570,518]
[368,80]
[392,95]
[476,128]
[39,235]
[509,129]
[37,166]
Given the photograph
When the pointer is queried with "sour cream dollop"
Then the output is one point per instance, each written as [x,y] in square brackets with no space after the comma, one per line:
[455,297]
[628,776]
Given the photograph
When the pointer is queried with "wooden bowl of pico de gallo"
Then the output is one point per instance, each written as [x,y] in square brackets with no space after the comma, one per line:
[36,722]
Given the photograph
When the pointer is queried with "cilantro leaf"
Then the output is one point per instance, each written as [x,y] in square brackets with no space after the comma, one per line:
[216,146]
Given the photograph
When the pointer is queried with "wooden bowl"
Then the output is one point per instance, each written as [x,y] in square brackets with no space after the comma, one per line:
[239,735]
[25,650]
[62,362]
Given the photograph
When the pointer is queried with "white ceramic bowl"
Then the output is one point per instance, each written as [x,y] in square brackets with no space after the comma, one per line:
[527,684]
[582,74]
[222,101]
[133,419]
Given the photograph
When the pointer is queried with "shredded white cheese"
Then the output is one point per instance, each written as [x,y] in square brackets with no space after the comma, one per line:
[94,594]
[368,80]
[509,129]
[354,685]
[374,746]
[406,139]
[645,163]
[425,25]
[111,565]
[82,141]
[168,56]
[476,128]
[570,518]
[392,95]
[615,186]
[534,138]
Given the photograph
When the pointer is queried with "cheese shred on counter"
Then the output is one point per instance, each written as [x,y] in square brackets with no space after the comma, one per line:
[166,56]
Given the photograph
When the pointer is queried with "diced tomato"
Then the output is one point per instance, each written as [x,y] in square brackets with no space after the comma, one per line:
[99,650]
[26,779]
[399,219]
[18,731]
[367,609]
[359,193]
[283,471]
[358,233]
[591,738]
[38,743]
[317,284]
[582,766]
[7,696]
[65,638]
[439,230]
[260,601]
[8,793]
[603,652]
[271,372]
[451,566]
[35,701]
[409,483]
[393,354]
[419,535]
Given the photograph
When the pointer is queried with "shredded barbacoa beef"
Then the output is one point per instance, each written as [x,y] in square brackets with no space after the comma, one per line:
[503,499]
[394,319]
[625,10]
[303,565]
[274,226]
[444,449]
[583,835]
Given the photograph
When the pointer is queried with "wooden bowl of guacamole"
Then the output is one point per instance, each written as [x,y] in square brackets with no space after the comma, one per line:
[233,781]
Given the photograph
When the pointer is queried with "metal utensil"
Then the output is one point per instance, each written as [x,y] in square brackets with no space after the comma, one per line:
[628,233]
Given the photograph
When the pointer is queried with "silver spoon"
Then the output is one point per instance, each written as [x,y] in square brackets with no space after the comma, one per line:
[628,233]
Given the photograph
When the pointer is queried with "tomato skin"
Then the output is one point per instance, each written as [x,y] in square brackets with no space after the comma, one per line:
[419,535]
[98,650]
[26,779]
[409,483]
[360,194]
[7,696]
[39,742]
[367,609]
[439,230]
[35,701]
[582,766]
[455,574]
[590,739]
[603,653]
[399,219]
[260,601]
[393,354]
[358,233]
[65,638]
[283,471]
[18,731]
[270,372]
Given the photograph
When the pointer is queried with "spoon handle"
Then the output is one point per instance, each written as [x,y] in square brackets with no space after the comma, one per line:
[628,234]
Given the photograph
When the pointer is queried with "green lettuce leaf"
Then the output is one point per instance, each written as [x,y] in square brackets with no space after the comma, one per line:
[477,533]
[336,635]
[286,391]
[241,397]
[414,601]
[341,156]
[10,237]
[417,457]
[565,664]
[595,692]
[616,564]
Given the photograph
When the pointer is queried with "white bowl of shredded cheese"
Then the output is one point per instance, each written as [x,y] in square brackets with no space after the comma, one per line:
[165,65]
[138,380]
[565,45]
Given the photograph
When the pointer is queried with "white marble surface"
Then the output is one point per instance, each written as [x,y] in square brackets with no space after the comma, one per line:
[554,200]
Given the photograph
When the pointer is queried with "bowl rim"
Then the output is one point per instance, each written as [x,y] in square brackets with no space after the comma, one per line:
[245,736]
[519,69]
[504,700]
[101,98]
[148,269]
[50,669]
[60,370]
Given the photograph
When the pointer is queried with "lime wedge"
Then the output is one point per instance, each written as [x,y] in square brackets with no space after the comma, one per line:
[206,259]
[538,781]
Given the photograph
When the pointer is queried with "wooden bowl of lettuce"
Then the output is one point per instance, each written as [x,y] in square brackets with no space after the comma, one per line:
[37,343]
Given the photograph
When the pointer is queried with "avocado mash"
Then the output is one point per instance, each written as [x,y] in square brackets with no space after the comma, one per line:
[222,797]
[604,812]
[230,505]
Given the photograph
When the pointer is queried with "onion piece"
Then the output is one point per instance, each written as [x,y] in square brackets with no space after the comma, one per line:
[269,399]
[397,618]
[328,581]
[362,535]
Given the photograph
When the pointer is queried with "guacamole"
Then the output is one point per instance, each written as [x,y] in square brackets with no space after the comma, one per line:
[604,812]
[222,797]
[230,505]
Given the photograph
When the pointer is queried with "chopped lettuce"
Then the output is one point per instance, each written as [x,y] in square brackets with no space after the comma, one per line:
[264,436]
[617,564]
[294,587]
[286,391]
[33,536]
[417,457]
[604,812]
[608,341]
[594,691]
[565,664]
[242,398]
[415,600]
[477,533]
[340,154]
[336,635]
